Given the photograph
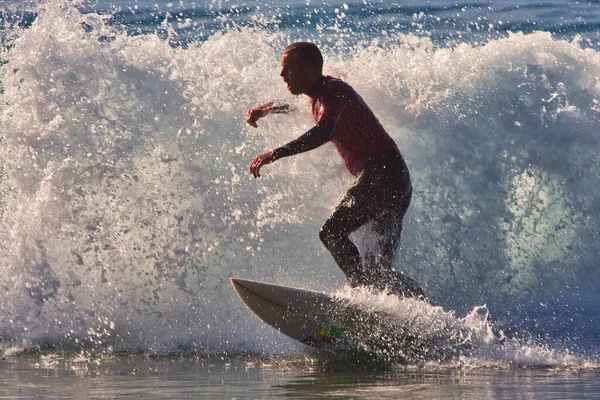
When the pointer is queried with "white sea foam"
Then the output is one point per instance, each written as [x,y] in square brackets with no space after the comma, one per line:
[471,341]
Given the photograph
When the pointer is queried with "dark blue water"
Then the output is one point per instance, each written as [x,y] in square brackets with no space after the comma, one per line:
[444,22]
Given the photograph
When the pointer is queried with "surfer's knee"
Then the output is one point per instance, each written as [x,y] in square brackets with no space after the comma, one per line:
[325,235]
[329,235]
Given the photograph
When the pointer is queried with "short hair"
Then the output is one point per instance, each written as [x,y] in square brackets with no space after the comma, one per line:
[308,54]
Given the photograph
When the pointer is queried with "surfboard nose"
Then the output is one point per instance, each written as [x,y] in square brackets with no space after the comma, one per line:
[246,288]
[247,285]
[239,284]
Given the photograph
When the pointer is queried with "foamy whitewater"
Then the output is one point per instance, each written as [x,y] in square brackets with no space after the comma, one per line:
[127,204]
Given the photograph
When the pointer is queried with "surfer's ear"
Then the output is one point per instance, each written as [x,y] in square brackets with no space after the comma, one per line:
[310,73]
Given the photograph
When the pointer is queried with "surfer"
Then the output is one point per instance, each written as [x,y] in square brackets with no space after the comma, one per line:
[382,190]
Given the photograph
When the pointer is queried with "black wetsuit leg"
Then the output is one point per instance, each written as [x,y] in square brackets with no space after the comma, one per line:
[387,227]
[381,194]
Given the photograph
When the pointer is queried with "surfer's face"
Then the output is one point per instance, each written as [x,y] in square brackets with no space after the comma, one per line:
[295,74]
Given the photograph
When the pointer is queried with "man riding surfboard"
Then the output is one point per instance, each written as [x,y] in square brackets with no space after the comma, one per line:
[382,190]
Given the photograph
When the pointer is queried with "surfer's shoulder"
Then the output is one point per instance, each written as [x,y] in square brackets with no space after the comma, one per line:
[335,88]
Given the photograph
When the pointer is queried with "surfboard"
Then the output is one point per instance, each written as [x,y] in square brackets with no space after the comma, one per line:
[334,324]
[304,315]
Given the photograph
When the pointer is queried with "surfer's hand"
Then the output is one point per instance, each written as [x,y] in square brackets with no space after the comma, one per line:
[259,161]
[257,113]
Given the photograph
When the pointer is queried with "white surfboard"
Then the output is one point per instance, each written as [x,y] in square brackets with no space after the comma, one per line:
[300,314]
[319,320]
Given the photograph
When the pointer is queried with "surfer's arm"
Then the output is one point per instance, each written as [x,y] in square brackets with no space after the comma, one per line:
[315,137]
[329,111]
[327,119]
[259,112]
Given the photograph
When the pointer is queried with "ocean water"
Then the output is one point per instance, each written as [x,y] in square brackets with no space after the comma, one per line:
[126,202]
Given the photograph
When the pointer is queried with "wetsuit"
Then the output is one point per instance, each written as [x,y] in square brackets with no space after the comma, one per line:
[382,190]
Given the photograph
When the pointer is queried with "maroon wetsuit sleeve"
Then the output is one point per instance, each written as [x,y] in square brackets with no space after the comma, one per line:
[330,108]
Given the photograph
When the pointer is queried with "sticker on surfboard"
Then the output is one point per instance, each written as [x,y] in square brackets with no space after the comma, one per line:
[326,336]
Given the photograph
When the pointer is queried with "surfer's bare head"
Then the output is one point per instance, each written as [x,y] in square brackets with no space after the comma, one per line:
[301,66]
